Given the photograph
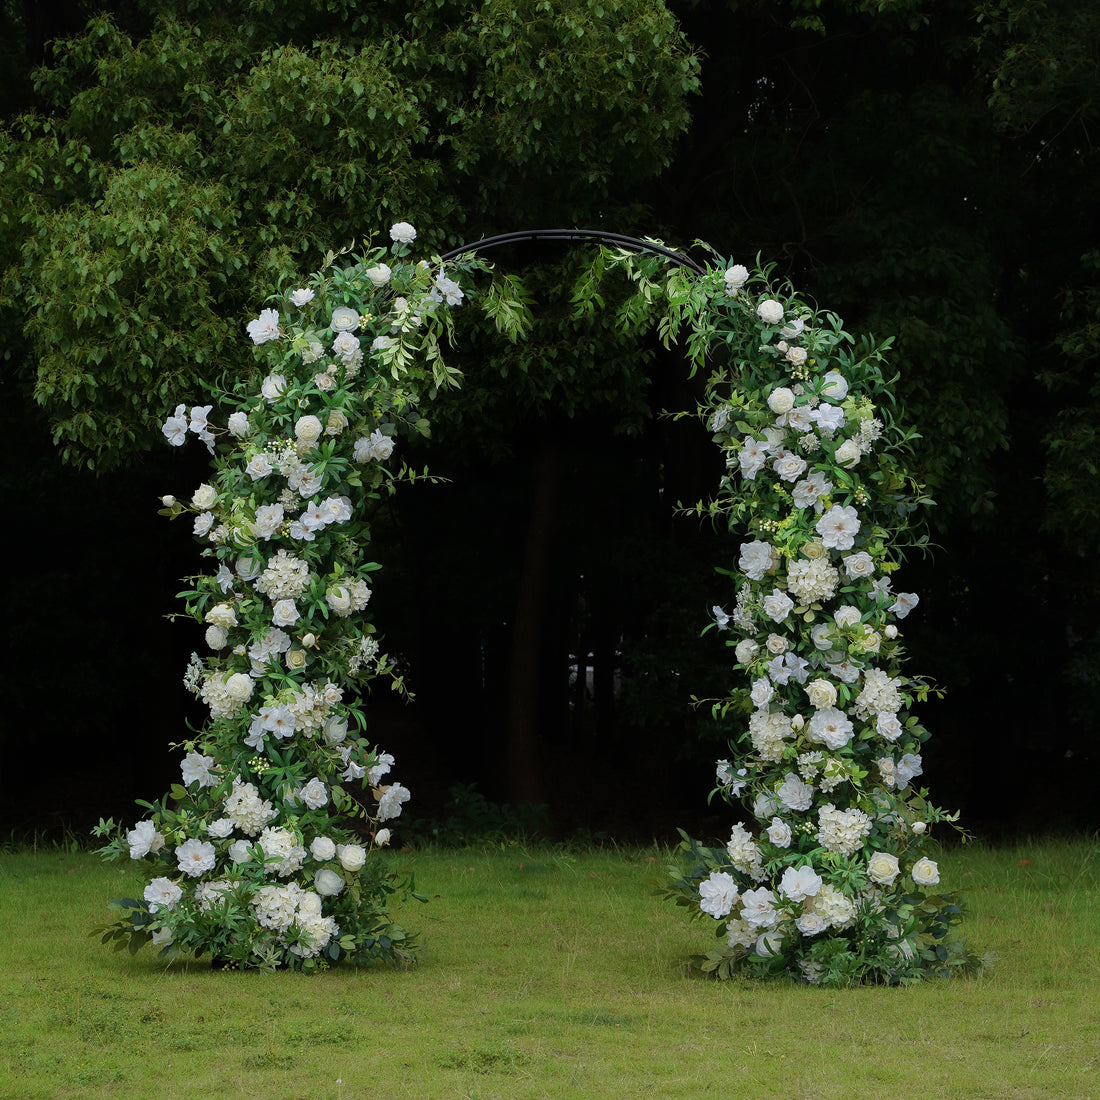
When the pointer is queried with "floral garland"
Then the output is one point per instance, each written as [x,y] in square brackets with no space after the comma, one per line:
[256,857]
[825,877]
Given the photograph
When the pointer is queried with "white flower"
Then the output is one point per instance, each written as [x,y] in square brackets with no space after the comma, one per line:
[273,387]
[144,839]
[259,466]
[175,428]
[807,493]
[351,856]
[196,769]
[757,558]
[888,727]
[308,429]
[344,319]
[403,233]
[265,327]
[834,387]
[718,894]
[778,605]
[382,837]
[847,454]
[285,613]
[752,457]
[327,883]
[821,694]
[830,727]
[904,603]
[925,872]
[829,419]
[204,497]
[789,466]
[221,828]
[389,805]
[858,565]
[240,851]
[781,400]
[322,849]
[810,924]
[799,883]
[770,311]
[346,348]
[720,617]
[314,794]
[735,277]
[812,581]
[162,893]
[794,793]
[746,650]
[797,356]
[882,868]
[223,615]
[239,687]
[379,275]
[302,296]
[758,908]
[195,856]
[762,692]
[838,527]
[779,833]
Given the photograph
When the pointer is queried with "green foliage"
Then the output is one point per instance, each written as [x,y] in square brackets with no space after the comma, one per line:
[175,170]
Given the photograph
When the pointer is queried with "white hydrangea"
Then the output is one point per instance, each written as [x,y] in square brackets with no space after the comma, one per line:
[842,831]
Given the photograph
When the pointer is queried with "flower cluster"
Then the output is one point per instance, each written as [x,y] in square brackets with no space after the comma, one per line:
[256,855]
[822,877]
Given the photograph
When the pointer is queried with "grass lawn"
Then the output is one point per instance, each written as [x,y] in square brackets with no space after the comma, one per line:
[549,974]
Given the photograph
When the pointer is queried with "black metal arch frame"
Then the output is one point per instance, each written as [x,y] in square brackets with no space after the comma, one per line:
[618,240]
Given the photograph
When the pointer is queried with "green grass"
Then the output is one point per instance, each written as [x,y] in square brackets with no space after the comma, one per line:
[550,975]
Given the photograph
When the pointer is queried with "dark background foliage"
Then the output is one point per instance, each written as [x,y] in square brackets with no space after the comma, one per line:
[924,167]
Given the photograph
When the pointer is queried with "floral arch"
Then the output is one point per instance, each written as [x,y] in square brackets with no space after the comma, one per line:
[265,854]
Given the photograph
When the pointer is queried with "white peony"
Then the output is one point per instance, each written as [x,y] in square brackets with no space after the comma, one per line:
[830,727]
[838,527]
[194,857]
[718,894]
[799,883]
[265,327]
[162,893]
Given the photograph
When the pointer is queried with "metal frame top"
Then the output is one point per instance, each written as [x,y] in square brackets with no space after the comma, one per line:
[631,244]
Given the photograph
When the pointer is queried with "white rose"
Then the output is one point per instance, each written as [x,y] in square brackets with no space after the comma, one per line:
[781,400]
[847,454]
[746,650]
[779,833]
[778,605]
[322,849]
[302,296]
[834,387]
[882,868]
[308,429]
[344,319]
[295,659]
[925,871]
[736,277]
[762,692]
[919,827]
[770,311]
[821,693]
[336,423]
[797,356]
[222,615]
[327,883]
[285,613]
[403,233]
[858,565]
[339,599]
[216,637]
[239,687]
[351,856]
[265,327]
[382,837]
[239,425]
[205,496]
[379,275]
[273,387]
[776,644]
